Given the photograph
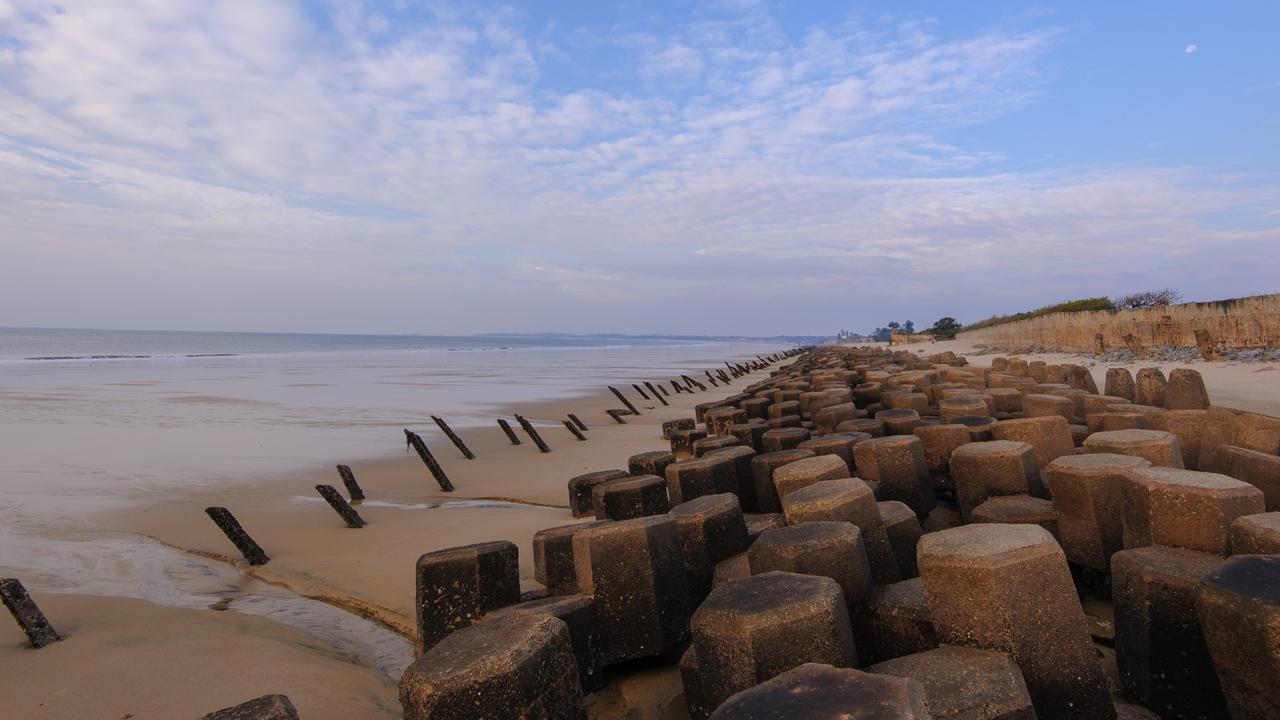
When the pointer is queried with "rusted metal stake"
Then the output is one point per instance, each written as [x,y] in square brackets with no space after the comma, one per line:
[415,442]
[349,480]
[230,527]
[533,434]
[574,429]
[676,385]
[511,434]
[624,400]
[616,414]
[457,441]
[711,378]
[640,390]
[33,622]
[340,506]
[581,425]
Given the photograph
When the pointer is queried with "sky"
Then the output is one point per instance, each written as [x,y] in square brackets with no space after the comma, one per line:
[735,167]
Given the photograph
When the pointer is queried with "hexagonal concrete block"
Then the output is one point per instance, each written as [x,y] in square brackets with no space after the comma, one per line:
[553,558]
[803,473]
[1149,389]
[1088,494]
[1119,383]
[1036,405]
[1049,436]
[1239,609]
[682,442]
[990,469]
[823,548]
[847,500]
[783,438]
[1185,508]
[267,707]
[903,528]
[517,666]
[650,463]
[938,442]
[897,463]
[578,612]
[1158,447]
[746,630]
[631,497]
[1256,534]
[707,475]
[824,692]
[740,457]
[1186,391]
[840,444]
[456,586]
[763,467]
[635,571]
[965,683]
[899,421]
[1018,510]
[711,529]
[1160,647]
[1007,588]
[1188,426]
[899,622]
[1259,469]
[581,487]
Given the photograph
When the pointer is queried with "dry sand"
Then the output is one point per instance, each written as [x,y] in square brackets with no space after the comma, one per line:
[139,658]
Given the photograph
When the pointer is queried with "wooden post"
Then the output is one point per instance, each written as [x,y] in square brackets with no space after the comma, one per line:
[33,622]
[511,434]
[340,506]
[663,390]
[640,390]
[691,381]
[711,378]
[617,414]
[724,378]
[655,392]
[581,425]
[533,434]
[230,527]
[457,441]
[574,429]
[625,401]
[429,460]
[349,480]
[676,385]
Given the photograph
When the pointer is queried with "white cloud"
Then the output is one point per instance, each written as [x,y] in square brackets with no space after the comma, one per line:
[333,175]
[1191,49]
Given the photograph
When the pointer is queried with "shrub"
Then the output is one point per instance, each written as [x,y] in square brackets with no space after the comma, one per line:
[1149,298]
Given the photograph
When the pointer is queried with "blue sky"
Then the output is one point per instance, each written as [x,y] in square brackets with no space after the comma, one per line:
[726,167]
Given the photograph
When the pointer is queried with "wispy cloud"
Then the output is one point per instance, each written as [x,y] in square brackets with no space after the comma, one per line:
[329,168]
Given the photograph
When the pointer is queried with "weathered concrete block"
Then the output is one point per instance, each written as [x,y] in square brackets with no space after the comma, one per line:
[631,497]
[981,428]
[1007,587]
[649,463]
[740,457]
[1160,647]
[708,475]
[267,707]
[897,463]
[836,443]
[1018,510]
[1108,421]
[1158,447]
[711,529]
[762,469]
[805,472]
[757,408]
[1239,609]
[719,420]
[1185,508]
[1088,494]
[847,500]
[956,406]
[682,442]
[1036,405]
[1256,534]
[1252,431]
[784,438]
[903,528]
[917,401]
[635,571]
[578,612]
[1256,468]
[1149,388]
[745,632]
[750,434]
[1005,399]
[784,408]
[691,678]
[899,622]
[866,393]
[1049,436]
[989,469]
[1186,391]
[457,586]
[711,443]
[826,419]
[901,421]
[1119,383]
[1188,426]
[965,683]
[582,486]
[823,548]
[517,666]
[938,442]
[822,691]
[671,426]
[782,423]
[553,558]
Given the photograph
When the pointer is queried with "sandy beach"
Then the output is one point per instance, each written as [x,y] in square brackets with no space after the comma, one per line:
[507,492]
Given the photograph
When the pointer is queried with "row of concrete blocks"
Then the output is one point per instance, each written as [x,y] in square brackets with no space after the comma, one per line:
[896,619]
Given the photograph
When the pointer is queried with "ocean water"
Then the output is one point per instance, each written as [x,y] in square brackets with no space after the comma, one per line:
[88,418]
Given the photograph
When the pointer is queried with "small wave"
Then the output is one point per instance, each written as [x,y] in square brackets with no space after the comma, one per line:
[125,357]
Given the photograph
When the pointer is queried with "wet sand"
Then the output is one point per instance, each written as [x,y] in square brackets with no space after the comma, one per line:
[508,493]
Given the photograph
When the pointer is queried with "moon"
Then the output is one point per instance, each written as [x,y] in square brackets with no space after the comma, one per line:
[1191,49]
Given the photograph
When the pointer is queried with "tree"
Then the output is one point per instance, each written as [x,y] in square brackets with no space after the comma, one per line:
[893,325]
[908,327]
[1149,298]
[944,327]
[881,334]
